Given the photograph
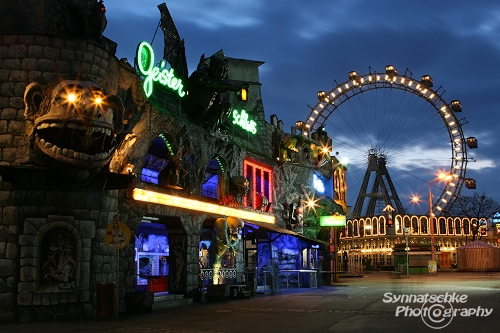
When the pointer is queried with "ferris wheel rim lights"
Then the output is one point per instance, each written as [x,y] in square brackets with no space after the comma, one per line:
[356,84]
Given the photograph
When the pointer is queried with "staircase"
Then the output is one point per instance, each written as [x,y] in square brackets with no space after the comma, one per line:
[164,300]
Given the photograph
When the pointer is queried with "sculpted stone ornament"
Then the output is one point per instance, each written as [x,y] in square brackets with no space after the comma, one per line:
[207,100]
[72,126]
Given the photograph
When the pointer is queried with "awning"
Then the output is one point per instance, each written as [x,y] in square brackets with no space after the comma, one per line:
[267,227]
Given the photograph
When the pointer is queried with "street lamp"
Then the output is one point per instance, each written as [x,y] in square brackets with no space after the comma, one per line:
[368,232]
[407,248]
[441,177]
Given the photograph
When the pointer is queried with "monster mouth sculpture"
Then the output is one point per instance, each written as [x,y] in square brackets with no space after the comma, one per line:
[72,126]
[75,142]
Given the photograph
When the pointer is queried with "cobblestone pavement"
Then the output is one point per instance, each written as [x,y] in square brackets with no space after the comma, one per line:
[370,303]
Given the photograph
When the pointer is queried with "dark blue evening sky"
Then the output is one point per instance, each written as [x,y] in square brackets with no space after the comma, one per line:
[307,45]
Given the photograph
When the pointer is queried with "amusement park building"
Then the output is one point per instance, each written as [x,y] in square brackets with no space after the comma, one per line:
[113,184]
[380,240]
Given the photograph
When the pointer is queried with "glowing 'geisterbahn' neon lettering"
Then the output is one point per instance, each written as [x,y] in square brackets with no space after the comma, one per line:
[145,64]
[241,119]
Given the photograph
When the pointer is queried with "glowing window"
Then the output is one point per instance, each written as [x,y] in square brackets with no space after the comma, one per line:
[323,185]
[214,171]
[150,176]
[209,187]
[318,184]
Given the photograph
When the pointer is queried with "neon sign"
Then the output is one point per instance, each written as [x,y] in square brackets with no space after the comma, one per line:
[145,64]
[332,221]
[241,119]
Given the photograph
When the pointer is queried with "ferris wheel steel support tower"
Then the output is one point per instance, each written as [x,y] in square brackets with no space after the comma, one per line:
[382,190]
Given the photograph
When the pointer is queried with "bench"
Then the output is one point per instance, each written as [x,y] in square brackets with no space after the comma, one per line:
[237,290]
[244,294]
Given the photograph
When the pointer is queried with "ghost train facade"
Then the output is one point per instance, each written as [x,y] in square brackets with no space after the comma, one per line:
[111,193]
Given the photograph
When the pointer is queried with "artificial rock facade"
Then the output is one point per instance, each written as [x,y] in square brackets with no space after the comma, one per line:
[52,229]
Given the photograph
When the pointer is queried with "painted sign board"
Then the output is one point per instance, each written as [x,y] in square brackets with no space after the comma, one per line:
[117,235]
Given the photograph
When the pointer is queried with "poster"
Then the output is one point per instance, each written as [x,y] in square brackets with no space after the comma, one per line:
[117,235]
[431,267]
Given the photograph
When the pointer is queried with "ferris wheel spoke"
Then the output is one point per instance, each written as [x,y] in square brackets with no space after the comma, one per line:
[398,118]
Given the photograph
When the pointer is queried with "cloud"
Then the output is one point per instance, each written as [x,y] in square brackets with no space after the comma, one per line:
[214,14]
[307,46]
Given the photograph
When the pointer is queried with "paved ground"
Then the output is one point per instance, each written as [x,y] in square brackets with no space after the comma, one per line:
[374,303]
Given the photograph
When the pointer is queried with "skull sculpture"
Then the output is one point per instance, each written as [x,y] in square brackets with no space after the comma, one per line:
[74,125]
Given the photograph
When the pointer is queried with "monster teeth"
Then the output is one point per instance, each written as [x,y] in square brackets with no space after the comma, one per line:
[75,154]
[74,126]
[101,130]
[51,125]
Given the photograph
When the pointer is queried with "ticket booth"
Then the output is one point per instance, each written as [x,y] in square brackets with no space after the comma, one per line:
[152,254]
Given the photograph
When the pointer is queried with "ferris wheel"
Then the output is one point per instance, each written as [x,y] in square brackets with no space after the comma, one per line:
[396,124]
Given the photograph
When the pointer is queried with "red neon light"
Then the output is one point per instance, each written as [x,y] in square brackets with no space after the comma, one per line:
[263,169]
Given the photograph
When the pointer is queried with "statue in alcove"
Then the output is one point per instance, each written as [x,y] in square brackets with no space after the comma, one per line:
[207,102]
[72,126]
[173,174]
[58,264]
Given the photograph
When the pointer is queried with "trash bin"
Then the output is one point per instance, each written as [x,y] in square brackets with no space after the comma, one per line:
[106,301]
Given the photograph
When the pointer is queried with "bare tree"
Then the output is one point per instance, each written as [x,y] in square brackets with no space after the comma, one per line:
[477,205]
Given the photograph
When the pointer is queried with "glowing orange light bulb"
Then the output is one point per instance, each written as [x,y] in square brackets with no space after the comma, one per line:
[71,98]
